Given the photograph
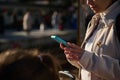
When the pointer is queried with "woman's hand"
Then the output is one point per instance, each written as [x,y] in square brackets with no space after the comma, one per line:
[73,52]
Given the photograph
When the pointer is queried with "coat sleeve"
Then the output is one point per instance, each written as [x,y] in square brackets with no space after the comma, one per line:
[102,65]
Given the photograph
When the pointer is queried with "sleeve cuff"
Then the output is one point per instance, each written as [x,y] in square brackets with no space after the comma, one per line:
[85,59]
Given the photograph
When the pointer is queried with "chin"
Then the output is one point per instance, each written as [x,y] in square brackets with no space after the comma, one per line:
[95,10]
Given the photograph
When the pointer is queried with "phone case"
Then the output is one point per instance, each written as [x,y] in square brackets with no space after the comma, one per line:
[59,40]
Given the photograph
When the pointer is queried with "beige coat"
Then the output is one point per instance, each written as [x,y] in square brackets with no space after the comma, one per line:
[106,52]
[103,62]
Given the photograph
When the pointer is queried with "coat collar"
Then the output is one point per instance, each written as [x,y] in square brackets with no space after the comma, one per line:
[109,15]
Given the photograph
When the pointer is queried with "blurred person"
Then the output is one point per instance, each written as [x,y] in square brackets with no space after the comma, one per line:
[28,65]
[17,19]
[8,19]
[55,20]
[2,29]
[98,58]
[47,20]
[28,21]
[74,20]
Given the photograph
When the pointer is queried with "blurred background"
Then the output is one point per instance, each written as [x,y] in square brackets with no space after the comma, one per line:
[28,24]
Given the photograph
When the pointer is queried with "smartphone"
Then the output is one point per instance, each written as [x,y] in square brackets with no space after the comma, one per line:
[59,40]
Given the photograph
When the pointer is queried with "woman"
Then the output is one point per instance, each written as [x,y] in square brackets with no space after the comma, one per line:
[98,58]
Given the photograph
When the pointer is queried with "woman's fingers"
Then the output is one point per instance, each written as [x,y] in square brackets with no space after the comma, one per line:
[72,45]
[72,56]
[62,46]
[73,50]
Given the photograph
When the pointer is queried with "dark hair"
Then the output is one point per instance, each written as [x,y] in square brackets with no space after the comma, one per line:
[24,65]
